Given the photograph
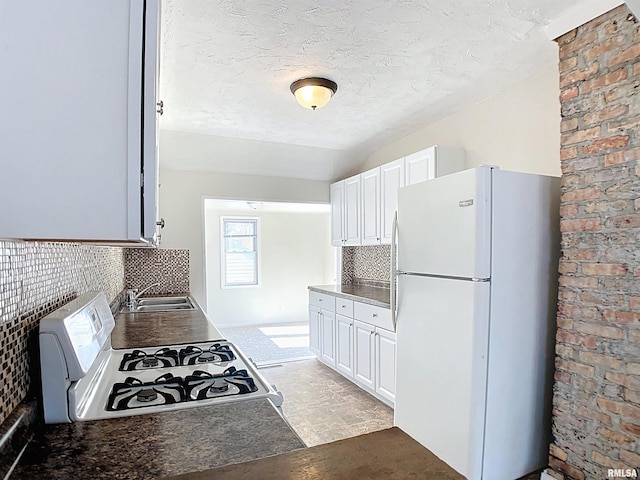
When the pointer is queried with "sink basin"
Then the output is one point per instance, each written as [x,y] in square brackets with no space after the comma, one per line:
[161,304]
[162,308]
[180,300]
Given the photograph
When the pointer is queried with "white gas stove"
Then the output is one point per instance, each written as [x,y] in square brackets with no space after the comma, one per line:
[83,378]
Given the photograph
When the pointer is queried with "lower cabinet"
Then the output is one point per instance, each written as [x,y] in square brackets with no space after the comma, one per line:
[364,354]
[327,338]
[314,330]
[385,358]
[361,351]
[344,345]
[321,334]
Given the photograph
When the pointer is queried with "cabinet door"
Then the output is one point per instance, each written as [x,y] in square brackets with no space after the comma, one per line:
[385,355]
[391,179]
[370,206]
[72,123]
[327,336]
[152,109]
[363,352]
[420,166]
[314,330]
[352,211]
[337,214]
[344,345]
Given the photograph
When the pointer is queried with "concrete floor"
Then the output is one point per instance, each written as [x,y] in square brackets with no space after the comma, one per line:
[322,406]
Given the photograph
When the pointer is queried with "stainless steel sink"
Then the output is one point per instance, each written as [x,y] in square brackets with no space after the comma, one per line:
[161,304]
[162,308]
[179,300]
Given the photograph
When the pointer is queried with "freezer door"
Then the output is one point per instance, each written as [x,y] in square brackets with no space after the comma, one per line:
[442,345]
[444,225]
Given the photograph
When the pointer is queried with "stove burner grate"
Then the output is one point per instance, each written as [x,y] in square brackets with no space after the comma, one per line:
[133,393]
[216,353]
[202,385]
[139,360]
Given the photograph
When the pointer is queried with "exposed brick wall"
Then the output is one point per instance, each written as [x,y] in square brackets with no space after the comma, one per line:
[596,406]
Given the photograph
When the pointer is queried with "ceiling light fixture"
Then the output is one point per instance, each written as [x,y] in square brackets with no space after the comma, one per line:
[313,92]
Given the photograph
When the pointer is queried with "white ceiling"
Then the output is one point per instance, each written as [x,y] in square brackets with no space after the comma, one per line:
[226,67]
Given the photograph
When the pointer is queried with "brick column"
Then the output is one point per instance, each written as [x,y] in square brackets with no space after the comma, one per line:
[596,405]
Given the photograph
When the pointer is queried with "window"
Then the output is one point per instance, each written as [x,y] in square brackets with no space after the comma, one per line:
[239,251]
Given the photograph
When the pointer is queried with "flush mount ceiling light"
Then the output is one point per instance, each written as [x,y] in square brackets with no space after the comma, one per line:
[313,92]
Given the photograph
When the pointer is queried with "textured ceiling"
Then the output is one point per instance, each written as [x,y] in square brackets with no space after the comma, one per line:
[226,67]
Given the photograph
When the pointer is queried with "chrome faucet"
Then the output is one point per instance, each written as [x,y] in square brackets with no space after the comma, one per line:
[132,295]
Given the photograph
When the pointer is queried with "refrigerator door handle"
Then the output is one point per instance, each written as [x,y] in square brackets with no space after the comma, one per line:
[392,283]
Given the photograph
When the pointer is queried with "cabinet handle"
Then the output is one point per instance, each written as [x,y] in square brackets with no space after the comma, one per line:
[160,223]
[374,315]
[351,325]
[372,333]
[343,306]
[319,299]
[160,108]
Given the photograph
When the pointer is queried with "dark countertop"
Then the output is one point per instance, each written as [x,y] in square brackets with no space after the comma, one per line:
[385,455]
[152,329]
[149,446]
[360,293]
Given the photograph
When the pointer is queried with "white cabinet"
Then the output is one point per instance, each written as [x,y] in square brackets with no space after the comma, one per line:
[391,179]
[363,354]
[337,214]
[327,338]
[314,330]
[352,210]
[322,326]
[78,128]
[432,162]
[362,206]
[353,338]
[344,345]
[370,206]
[385,358]
[345,212]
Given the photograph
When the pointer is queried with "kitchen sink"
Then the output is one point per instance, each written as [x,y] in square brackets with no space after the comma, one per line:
[161,304]
[162,308]
[180,300]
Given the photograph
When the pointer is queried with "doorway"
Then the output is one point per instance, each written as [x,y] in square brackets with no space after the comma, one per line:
[260,258]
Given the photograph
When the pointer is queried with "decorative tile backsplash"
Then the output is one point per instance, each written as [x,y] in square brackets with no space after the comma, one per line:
[146,266]
[368,263]
[36,278]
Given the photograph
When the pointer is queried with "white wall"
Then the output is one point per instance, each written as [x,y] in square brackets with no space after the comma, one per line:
[182,197]
[294,251]
[518,130]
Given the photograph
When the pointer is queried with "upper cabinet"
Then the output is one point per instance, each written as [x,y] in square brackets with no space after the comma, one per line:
[370,206]
[378,200]
[392,177]
[337,213]
[78,88]
[352,211]
[345,212]
[432,162]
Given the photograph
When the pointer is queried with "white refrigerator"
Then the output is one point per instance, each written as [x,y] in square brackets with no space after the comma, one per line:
[477,262]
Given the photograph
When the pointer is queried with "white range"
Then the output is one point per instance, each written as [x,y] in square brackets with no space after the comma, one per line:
[84,378]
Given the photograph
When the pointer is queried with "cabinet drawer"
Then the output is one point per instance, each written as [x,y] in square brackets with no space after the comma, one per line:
[322,300]
[344,307]
[377,316]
